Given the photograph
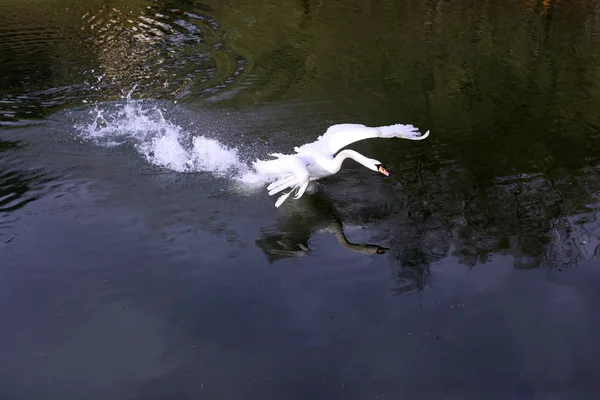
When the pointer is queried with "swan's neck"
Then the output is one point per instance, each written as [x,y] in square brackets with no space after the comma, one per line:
[336,163]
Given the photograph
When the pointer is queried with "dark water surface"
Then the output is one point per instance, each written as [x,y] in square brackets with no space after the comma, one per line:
[138,260]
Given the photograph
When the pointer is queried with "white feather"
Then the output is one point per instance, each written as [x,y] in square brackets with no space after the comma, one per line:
[315,160]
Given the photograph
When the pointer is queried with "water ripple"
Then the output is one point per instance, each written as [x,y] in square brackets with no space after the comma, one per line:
[100,54]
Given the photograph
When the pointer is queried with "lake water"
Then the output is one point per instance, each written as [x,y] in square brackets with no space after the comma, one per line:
[139,261]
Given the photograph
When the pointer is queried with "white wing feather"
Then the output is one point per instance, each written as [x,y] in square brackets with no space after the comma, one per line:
[291,170]
[341,135]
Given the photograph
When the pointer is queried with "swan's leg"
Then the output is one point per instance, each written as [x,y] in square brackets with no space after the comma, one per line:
[301,190]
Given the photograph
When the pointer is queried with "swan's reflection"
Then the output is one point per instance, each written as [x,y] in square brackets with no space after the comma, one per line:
[304,218]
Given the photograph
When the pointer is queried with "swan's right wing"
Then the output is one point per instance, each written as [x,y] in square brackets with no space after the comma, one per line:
[341,135]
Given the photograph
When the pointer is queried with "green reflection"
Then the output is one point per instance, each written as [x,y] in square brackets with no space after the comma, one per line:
[509,91]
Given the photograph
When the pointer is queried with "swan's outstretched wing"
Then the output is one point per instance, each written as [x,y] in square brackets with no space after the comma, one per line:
[341,135]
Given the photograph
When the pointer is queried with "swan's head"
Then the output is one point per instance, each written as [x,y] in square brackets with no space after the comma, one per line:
[379,167]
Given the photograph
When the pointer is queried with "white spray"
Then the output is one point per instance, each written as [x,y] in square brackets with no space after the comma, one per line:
[165,144]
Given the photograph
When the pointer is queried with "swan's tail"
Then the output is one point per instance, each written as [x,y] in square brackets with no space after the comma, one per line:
[401,131]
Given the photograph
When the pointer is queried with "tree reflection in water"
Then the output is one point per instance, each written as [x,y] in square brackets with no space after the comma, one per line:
[544,219]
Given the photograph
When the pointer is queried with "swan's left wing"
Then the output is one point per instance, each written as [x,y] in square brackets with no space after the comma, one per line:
[341,135]
[290,172]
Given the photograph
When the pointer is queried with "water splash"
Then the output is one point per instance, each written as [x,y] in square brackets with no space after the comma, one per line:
[128,97]
[165,144]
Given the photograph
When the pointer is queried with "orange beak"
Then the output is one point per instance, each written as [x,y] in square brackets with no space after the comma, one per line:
[383,170]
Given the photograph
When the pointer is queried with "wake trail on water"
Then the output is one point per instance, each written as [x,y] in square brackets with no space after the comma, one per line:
[165,144]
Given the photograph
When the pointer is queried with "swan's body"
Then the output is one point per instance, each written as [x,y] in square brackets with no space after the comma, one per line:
[316,160]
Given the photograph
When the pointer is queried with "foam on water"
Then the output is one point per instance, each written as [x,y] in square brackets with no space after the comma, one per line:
[164,143]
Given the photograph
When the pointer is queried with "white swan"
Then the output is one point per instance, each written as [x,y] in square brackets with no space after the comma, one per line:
[315,160]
